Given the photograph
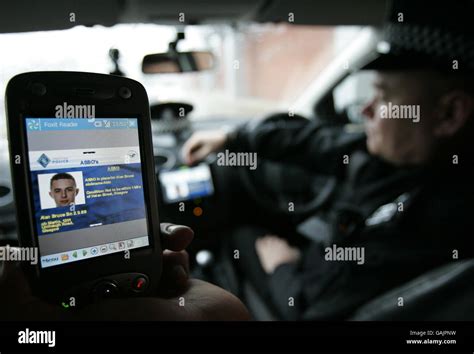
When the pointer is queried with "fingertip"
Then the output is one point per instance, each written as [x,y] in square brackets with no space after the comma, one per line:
[174,229]
[177,237]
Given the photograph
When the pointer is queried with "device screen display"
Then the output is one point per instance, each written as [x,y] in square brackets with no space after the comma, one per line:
[186,183]
[87,184]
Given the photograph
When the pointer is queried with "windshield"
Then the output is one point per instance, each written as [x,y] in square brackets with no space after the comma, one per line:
[261,68]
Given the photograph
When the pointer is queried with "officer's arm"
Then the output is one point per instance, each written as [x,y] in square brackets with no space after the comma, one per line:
[297,141]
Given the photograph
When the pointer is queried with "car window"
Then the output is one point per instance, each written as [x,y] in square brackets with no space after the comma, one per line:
[261,68]
[351,95]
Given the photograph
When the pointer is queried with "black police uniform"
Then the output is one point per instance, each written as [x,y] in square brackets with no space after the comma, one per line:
[407,220]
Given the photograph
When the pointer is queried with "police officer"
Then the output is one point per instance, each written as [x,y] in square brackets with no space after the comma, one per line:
[339,218]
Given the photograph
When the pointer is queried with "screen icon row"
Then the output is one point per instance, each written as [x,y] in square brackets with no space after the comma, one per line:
[94,251]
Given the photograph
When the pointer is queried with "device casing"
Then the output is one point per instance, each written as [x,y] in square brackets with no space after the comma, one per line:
[36,94]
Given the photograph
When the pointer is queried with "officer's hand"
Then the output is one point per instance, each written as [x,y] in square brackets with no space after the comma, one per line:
[273,251]
[201,144]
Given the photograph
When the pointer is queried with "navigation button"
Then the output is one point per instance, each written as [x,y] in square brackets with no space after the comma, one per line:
[105,290]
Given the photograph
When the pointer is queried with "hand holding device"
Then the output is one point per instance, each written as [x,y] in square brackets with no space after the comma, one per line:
[18,303]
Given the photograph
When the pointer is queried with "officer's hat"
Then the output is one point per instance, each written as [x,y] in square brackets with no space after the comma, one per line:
[427,34]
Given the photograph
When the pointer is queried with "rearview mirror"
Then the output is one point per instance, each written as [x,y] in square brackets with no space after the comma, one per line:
[177,62]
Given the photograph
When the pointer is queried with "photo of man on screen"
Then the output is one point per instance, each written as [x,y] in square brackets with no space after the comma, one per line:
[63,189]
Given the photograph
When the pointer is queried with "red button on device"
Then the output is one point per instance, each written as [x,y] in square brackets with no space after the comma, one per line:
[140,284]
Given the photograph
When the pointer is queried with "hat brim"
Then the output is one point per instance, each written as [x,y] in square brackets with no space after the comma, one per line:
[412,61]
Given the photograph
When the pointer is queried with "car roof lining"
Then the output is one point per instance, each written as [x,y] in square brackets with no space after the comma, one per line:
[32,15]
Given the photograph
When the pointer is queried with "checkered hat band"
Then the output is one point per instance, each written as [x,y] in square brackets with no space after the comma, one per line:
[439,44]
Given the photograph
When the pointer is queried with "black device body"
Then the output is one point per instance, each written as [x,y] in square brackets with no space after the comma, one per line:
[37,95]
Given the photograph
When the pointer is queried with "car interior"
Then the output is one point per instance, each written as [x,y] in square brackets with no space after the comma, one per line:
[212,66]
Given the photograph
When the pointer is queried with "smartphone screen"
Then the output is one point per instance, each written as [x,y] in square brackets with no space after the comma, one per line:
[87,187]
[186,183]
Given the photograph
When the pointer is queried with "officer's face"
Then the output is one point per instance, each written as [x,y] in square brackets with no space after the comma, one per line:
[64,192]
[397,122]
